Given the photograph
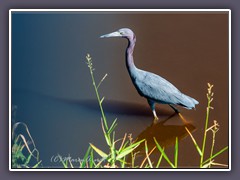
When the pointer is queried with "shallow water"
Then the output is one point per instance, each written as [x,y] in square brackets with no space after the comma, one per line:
[53,92]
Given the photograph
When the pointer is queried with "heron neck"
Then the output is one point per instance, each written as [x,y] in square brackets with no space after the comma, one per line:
[129,56]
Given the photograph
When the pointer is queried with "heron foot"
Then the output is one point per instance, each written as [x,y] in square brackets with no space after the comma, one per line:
[155,120]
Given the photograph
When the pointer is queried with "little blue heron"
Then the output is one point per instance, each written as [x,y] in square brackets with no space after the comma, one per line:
[149,85]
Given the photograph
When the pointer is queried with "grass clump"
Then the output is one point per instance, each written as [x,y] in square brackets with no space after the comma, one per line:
[23,156]
[214,128]
[116,156]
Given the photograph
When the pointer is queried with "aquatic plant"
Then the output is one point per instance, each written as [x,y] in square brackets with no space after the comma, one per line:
[214,128]
[109,135]
[114,155]
[23,156]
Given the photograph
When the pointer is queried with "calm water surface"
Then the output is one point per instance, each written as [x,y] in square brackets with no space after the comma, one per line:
[53,92]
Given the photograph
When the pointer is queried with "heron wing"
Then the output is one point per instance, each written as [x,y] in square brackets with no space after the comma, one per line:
[158,89]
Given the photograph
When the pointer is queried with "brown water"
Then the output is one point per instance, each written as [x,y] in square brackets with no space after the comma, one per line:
[57,100]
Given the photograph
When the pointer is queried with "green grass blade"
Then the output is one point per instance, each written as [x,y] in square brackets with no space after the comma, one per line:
[100,152]
[37,165]
[128,149]
[70,164]
[112,127]
[65,164]
[216,154]
[163,153]
[83,164]
[147,155]
[91,160]
[101,101]
[28,160]
[124,145]
[101,81]
[125,152]
[176,153]
[194,142]
[106,135]
[159,161]
[147,166]
[123,162]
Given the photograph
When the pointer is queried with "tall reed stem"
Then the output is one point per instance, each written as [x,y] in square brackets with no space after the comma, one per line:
[210,99]
[89,62]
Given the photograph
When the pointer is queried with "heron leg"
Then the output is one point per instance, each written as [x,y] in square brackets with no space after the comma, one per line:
[152,105]
[174,108]
[155,114]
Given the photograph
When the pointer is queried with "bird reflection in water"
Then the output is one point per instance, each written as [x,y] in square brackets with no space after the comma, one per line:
[164,134]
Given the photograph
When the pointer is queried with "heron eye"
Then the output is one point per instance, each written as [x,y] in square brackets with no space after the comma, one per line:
[121,33]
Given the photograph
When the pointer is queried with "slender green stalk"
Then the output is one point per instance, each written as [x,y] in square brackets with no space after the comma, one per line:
[133,155]
[194,142]
[89,62]
[159,161]
[216,154]
[85,158]
[113,151]
[163,153]
[123,162]
[91,160]
[100,100]
[114,155]
[147,155]
[176,153]
[214,131]
[210,99]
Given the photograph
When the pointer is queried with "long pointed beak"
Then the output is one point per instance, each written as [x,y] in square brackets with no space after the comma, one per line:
[113,34]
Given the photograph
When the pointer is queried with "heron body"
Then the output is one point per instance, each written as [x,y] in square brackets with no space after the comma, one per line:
[149,85]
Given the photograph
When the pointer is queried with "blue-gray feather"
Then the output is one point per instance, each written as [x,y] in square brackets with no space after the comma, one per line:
[160,90]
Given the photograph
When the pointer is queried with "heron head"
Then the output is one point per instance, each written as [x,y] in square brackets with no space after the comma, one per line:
[124,33]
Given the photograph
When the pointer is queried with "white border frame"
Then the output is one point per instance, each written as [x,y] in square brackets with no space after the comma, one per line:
[117,10]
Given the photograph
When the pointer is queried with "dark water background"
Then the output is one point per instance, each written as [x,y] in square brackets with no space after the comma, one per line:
[53,92]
